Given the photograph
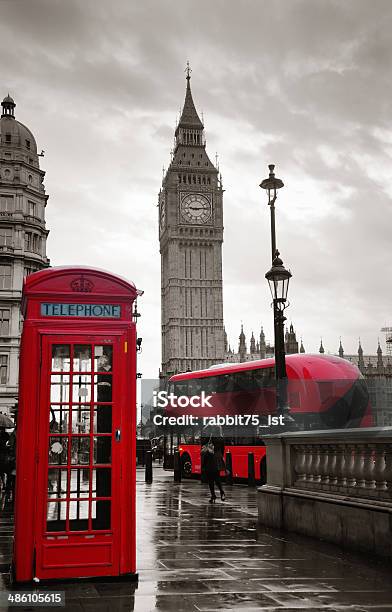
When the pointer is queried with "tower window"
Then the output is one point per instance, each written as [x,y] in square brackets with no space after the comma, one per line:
[193,155]
[3,369]
[30,178]
[28,144]
[8,137]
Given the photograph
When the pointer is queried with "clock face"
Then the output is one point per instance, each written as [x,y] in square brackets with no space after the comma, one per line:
[196,208]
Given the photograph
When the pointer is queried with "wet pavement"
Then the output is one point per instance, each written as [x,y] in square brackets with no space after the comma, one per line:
[194,556]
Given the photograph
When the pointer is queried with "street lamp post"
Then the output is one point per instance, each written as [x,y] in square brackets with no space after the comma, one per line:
[278,278]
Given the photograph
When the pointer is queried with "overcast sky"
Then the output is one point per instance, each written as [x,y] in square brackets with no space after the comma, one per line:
[304,84]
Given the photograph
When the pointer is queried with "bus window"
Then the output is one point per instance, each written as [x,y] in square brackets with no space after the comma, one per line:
[180,387]
[264,377]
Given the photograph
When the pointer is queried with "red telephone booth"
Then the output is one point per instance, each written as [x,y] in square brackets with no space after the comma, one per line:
[76,430]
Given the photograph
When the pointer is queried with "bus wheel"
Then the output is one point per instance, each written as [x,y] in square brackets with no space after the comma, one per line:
[186,466]
[263,471]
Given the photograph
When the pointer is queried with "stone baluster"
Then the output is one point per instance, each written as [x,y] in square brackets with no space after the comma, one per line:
[358,467]
[380,468]
[340,466]
[368,467]
[332,464]
[388,468]
[309,463]
[300,463]
[316,463]
[350,461]
[324,462]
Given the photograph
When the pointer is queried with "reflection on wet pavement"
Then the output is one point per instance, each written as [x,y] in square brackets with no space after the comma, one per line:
[193,556]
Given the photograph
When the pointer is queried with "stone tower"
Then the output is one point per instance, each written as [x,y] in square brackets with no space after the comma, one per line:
[191,236]
[22,238]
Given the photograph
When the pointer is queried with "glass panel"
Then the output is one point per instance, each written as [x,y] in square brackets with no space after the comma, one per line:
[103,358]
[81,388]
[56,515]
[103,388]
[57,482]
[101,514]
[80,483]
[80,419]
[59,419]
[102,482]
[102,419]
[59,388]
[58,450]
[80,450]
[82,358]
[102,449]
[78,515]
[60,358]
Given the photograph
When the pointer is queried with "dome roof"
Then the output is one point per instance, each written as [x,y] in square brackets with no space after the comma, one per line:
[12,132]
[8,100]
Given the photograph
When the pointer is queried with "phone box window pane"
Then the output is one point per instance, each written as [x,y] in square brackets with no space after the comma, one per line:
[103,358]
[103,419]
[80,419]
[56,515]
[57,482]
[102,449]
[81,388]
[80,450]
[59,388]
[101,514]
[60,358]
[78,515]
[103,388]
[82,358]
[80,483]
[58,450]
[58,419]
[102,482]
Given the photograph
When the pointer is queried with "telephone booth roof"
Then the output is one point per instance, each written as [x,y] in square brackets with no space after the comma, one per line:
[69,281]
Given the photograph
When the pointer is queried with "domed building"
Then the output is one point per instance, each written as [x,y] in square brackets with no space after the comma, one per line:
[22,238]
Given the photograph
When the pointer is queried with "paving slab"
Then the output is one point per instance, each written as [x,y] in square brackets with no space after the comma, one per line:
[195,556]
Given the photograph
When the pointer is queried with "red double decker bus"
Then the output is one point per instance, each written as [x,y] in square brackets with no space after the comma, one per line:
[323,392]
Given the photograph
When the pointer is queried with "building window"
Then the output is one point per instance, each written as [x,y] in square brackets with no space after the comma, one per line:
[5,276]
[8,137]
[5,236]
[6,203]
[33,209]
[5,314]
[28,144]
[30,178]
[33,242]
[3,369]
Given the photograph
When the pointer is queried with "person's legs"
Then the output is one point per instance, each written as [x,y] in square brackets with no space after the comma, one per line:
[219,485]
[211,485]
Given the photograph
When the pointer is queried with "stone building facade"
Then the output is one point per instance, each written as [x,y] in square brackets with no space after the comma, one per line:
[191,235]
[22,238]
[377,371]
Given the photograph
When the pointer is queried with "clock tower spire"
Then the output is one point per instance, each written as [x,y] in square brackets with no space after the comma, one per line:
[191,237]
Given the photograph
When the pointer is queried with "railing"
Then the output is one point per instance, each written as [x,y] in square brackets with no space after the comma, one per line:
[350,462]
[335,485]
[354,468]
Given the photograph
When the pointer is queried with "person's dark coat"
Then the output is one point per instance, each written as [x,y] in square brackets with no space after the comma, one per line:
[209,464]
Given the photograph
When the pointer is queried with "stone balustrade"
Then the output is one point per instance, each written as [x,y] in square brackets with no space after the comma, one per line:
[355,468]
[335,484]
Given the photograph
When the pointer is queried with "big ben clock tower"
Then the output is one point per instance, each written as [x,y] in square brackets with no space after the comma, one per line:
[191,236]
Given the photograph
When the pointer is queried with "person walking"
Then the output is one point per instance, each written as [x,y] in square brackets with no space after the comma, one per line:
[211,464]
